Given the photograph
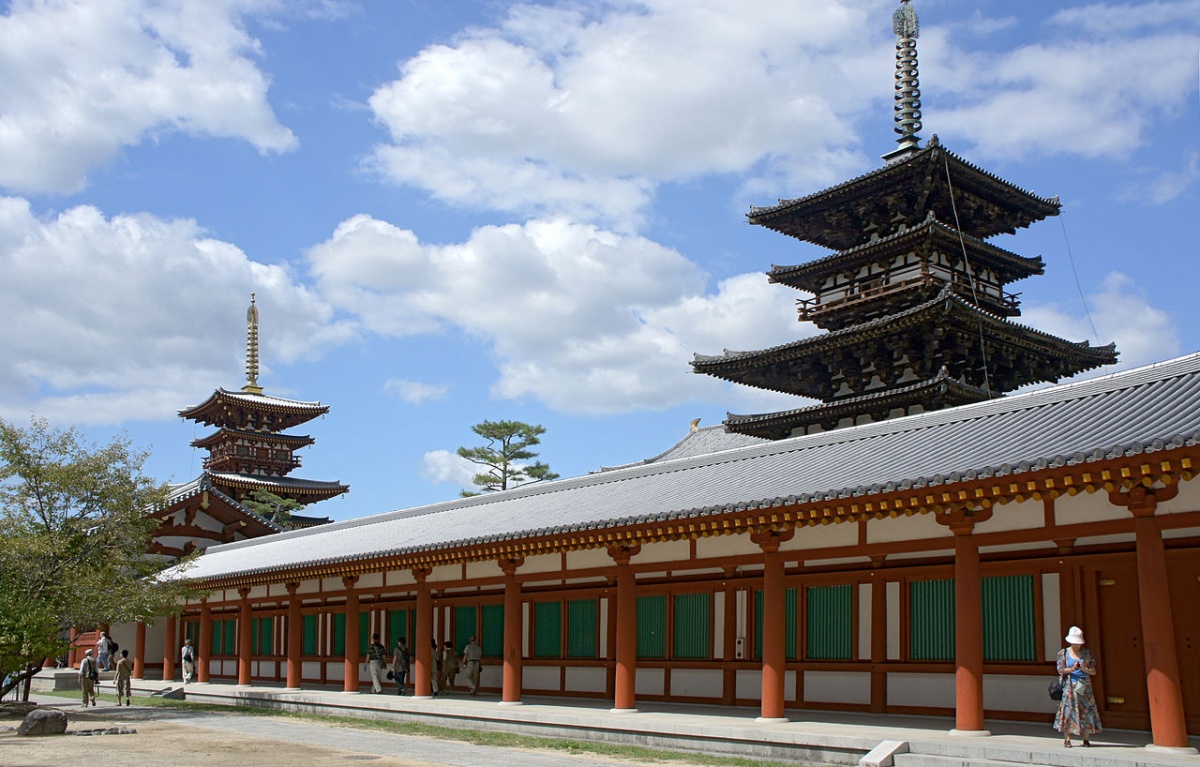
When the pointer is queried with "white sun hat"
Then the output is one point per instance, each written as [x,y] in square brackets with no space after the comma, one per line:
[1075,635]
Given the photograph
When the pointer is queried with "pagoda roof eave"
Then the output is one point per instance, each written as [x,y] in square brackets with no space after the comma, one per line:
[290,440]
[293,485]
[210,411]
[779,425]
[809,275]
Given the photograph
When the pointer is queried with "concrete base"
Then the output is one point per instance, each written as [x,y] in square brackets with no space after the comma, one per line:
[622,711]
[1181,750]
[511,703]
[971,733]
[884,755]
[771,719]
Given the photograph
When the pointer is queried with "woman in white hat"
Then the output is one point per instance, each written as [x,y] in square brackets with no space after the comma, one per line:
[1077,713]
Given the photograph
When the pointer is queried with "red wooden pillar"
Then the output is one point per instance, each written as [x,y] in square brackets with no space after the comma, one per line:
[422,648]
[624,685]
[774,640]
[968,626]
[511,691]
[169,650]
[295,637]
[245,646]
[1167,723]
[204,645]
[139,651]
[352,658]
[879,629]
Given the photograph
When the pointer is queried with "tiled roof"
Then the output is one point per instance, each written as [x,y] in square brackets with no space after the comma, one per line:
[702,441]
[1139,411]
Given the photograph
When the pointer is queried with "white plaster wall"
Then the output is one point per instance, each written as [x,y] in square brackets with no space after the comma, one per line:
[1027,515]
[821,536]
[739,641]
[1187,500]
[491,676]
[586,679]
[1086,507]
[670,551]
[1017,693]
[205,522]
[258,592]
[1098,540]
[697,682]
[864,620]
[542,563]
[124,634]
[725,546]
[369,581]
[400,578]
[332,584]
[588,559]
[445,573]
[837,686]
[336,671]
[921,690]
[483,570]
[915,528]
[310,669]
[833,562]
[539,677]
[893,620]
[311,586]
[1046,546]
[718,625]
[229,668]
[156,635]
[649,681]
[1051,610]
[748,684]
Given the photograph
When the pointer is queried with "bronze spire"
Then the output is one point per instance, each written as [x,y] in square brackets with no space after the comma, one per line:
[907,106]
[252,386]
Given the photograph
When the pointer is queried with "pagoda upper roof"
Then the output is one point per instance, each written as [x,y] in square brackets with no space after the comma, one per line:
[289,441]
[907,189]
[768,368]
[779,425]
[811,275]
[232,409]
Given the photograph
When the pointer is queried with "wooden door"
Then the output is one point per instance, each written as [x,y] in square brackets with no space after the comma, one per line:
[1114,633]
[1184,574]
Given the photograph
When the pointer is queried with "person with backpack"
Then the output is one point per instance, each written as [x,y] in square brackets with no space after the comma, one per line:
[375,655]
[401,659]
[122,676]
[89,674]
[187,659]
[105,647]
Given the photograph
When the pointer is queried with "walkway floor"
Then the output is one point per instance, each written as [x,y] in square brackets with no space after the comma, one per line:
[812,737]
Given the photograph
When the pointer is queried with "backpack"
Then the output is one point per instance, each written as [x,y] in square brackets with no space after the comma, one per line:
[113,647]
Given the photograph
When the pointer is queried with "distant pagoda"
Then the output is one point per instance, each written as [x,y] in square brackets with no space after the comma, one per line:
[914,299]
[249,451]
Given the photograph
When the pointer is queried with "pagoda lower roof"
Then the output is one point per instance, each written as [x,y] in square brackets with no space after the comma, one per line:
[839,217]
[230,409]
[292,487]
[811,275]
[947,391]
[1065,357]
[289,441]
[179,494]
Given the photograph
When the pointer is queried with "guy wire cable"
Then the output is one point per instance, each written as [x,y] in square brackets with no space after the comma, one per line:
[987,385]
[1078,287]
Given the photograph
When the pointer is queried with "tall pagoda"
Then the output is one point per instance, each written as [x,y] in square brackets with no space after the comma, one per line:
[248,452]
[915,298]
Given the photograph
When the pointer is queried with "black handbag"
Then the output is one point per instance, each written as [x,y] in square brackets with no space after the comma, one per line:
[1056,688]
[391,675]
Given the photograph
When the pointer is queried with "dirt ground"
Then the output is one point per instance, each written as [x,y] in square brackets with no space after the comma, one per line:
[161,743]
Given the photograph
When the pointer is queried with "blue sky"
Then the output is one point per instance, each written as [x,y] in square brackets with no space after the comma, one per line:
[453,212]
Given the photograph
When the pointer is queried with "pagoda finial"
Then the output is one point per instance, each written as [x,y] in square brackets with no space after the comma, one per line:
[907,106]
[252,386]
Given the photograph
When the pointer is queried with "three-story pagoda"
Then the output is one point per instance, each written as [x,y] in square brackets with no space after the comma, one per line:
[915,299]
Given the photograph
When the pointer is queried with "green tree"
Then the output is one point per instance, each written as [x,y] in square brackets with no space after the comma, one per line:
[74,531]
[503,457]
[271,507]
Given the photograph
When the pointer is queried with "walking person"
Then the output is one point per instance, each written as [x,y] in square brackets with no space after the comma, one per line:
[124,673]
[1077,712]
[435,669]
[103,650]
[400,661]
[472,658]
[375,654]
[449,667]
[89,674]
[187,660]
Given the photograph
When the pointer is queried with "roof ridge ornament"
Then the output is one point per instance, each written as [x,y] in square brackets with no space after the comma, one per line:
[252,386]
[907,107]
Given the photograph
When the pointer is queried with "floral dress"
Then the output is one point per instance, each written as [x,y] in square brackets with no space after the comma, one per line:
[1077,713]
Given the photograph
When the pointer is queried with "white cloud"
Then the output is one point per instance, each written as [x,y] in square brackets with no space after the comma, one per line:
[126,318]
[415,392]
[1166,185]
[585,110]
[583,319]
[84,79]
[1121,313]
[1127,18]
[444,466]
